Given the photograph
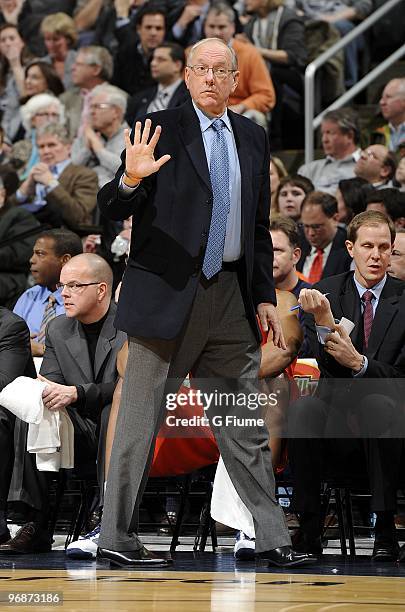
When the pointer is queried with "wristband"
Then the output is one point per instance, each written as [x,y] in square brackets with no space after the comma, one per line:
[131,181]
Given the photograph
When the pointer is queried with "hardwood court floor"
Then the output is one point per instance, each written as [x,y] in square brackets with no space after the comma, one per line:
[208,582]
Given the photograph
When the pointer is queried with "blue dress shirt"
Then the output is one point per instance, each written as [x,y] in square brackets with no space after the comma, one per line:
[31,306]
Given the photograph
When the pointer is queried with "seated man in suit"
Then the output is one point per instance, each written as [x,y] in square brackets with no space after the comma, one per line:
[42,302]
[323,250]
[79,367]
[167,68]
[354,423]
[15,360]
[100,143]
[56,191]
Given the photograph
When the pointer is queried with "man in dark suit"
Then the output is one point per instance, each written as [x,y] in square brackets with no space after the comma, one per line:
[167,67]
[79,366]
[199,269]
[323,250]
[15,360]
[358,399]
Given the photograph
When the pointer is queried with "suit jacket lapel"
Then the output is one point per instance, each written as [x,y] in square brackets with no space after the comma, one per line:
[104,343]
[242,140]
[351,309]
[77,346]
[386,311]
[190,132]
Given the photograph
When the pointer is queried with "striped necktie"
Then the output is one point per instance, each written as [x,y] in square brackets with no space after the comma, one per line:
[368,315]
[219,173]
[49,314]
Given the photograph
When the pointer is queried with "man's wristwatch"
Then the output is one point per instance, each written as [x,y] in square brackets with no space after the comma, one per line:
[363,363]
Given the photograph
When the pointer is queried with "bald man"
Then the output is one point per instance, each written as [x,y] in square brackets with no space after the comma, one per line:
[376,165]
[79,366]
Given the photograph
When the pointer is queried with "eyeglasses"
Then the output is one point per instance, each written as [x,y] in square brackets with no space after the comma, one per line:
[73,286]
[45,114]
[219,73]
[100,105]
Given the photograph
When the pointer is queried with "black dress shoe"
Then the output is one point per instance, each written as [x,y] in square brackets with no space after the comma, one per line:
[401,555]
[285,556]
[133,558]
[385,550]
[30,538]
[5,536]
[302,543]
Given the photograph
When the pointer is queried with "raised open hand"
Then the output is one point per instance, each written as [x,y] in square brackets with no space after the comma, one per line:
[140,160]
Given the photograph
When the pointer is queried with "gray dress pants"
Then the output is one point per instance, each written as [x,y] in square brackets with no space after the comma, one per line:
[216,342]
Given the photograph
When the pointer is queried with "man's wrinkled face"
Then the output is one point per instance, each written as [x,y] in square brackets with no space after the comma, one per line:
[52,150]
[334,141]
[392,102]
[210,92]
[370,164]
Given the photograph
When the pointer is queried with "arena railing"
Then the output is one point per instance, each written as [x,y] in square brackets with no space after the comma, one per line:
[312,122]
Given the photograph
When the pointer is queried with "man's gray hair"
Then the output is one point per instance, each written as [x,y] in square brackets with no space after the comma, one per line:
[54,129]
[206,41]
[347,121]
[39,103]
[221,8]
[401,86]
[114,95]
[99,56]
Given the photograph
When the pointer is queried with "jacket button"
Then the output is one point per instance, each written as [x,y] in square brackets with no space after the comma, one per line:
[204,234]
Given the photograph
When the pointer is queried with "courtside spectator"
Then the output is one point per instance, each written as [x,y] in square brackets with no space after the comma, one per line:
[392,105]
[92,66]
[290,195]
[254,96]
[324,251]
[60,38]
[132,62]
[41,303]
[100,144]
[377,166]
[340,137]
[57,191]
[169,91]
[397,264]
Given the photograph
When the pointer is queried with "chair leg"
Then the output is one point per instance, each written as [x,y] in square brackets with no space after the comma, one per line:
[185,490]
[342,531]
[350,524]
[60,490]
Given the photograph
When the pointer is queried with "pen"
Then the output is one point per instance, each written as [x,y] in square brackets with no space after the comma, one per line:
[297,307]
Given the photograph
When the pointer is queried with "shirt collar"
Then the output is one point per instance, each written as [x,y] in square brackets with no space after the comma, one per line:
[169,89]
[376,289]
[61,166]
[397,130]
[205,121]
[355,156]
[45,293]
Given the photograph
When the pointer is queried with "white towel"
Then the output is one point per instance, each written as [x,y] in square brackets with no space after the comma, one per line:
[50,433]
[226,505]
[23,397]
